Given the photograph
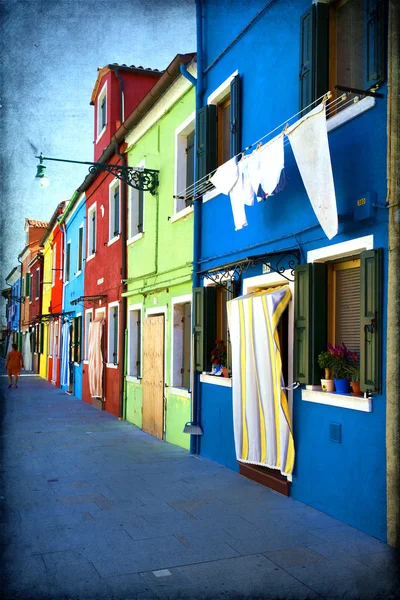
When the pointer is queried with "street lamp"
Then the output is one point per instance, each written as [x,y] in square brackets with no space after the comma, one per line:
[142,179]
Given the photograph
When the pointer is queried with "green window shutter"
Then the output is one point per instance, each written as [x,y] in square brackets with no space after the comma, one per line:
[115,330]
[314,54]
[204,325]
[310,321]
[41,338]
[140,211]
[206,144]
[27,285]
[116,210]
[79,339]
[72,337]
[302,324]
[198,328]
[235,121]
[374,42]
[371,320]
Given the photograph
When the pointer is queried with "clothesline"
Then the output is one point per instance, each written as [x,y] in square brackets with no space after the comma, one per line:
[203,185]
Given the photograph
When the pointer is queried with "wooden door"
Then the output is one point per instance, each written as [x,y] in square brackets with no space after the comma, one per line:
[153,376]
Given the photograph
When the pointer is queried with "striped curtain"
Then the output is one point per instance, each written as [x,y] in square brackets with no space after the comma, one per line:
[65,338]
[262,423]
[95,358]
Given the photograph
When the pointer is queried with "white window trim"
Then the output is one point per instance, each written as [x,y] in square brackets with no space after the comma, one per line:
[214,380]
[38,269]
[350,112]
[138,307]
[133,238]
[177,391]
[182,214]
[181,134]
[113,185]
[187,298]
[90,210]
[79,271]
[325,254]
[109,364]
[99,99]
[222,90]
[66,254]
[85,349]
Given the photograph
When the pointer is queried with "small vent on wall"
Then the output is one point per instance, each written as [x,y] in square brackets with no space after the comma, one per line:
[335,432]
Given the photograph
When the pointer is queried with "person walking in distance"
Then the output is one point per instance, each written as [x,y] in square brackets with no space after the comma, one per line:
[14,364]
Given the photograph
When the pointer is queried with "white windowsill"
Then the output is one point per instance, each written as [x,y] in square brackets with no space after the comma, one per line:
[66,283]
[210,195]
[216,380]
[133,379]
[340,400]
[134,238]
[111,366]
[182,214]
[350,112]
[85,362]
[90,257]
[78,273]
[177,391]
[113,240]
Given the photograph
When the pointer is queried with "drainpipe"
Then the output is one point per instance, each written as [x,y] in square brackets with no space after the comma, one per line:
[197,206]
[393,308]
[124,274]
[187,75]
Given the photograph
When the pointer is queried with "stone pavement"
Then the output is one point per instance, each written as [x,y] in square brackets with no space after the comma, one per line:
[95,508]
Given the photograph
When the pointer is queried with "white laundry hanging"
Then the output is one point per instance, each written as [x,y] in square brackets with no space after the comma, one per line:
[226,176]
[309,141]
[242,194]
[265,167]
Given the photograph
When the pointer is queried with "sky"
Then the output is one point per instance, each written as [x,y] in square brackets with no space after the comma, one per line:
[50,53]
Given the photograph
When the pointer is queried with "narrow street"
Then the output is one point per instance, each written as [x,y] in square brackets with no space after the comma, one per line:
[93,507]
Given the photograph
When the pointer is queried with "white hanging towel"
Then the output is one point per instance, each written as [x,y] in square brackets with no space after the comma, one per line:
[309,140]
[225,176]
[265,166]
[27,352]
[242,194]
[65,339]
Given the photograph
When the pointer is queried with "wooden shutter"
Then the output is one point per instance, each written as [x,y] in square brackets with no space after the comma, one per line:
[371,320]
[140,194]
[116,210]
[115,332]
[235,121]
[206,143]
[204,325]
[187,317]
[41,338]
[94,232]
[80,247]
[77,335]
[139,343]
[310,321]
[347,308]
[374,42]
[27,285]
[314,54]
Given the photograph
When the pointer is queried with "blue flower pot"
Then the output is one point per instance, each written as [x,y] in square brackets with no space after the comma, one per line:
[342,386]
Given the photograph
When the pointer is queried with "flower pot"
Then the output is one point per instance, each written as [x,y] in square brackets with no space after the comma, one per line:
[355,388]
[327,385]
[225,372]
[342,386]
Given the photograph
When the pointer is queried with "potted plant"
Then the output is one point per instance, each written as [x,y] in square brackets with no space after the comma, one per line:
[325,362]
[218,359]
[353,371]
[342,359]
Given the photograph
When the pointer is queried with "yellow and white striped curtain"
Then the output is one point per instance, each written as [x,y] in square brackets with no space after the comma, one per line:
[262,423]
[95,358]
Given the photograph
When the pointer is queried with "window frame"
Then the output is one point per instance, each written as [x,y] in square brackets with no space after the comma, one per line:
[37,284]
[91,210]
[112,235]
[180,168]
[80,256]
[112,362]
[135,308]
[100,127]
[54,265]
[176,349]
[88,311]
[67,262]
[141,197]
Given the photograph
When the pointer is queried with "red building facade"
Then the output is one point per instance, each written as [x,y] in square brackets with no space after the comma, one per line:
[35,307]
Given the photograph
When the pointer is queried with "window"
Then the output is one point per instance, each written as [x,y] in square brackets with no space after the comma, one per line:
[92,230]
[114,209]
[210,321]
[42,338]
[28,285]
[184,162]
[134,341]
[37,284]
[88,320]
[102,111]
[54,269]
[339,301]
[68,262]
[76,338]
[113,311]
[181,336]
[22,287]
[136,209]
[51,338]
[341,44]
[218,127]
[80,249]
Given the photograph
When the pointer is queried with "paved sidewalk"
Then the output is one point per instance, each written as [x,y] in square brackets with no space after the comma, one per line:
[95,508]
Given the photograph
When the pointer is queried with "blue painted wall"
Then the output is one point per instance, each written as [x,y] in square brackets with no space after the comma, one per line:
[15,305]
[345,480]
[75,287]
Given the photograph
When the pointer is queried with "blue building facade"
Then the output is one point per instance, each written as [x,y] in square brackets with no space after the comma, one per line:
[72,224]
[262,66]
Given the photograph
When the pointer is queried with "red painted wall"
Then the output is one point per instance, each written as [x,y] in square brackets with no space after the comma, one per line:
[103,276]
[57,293]
[136,86]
